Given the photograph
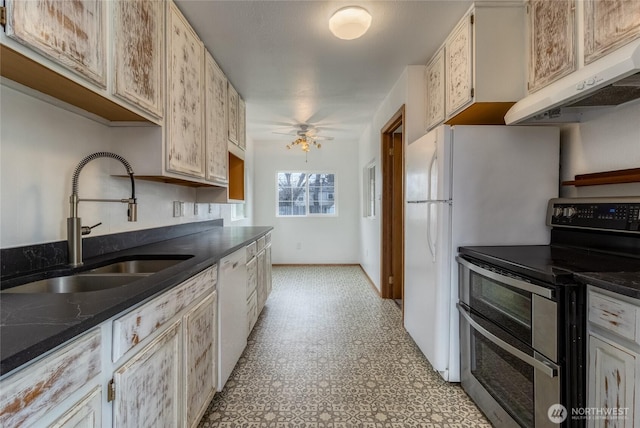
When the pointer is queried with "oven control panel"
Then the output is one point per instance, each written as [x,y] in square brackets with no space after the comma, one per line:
[614,214]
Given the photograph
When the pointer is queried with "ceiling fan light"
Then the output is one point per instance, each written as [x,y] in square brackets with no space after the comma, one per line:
[350,22]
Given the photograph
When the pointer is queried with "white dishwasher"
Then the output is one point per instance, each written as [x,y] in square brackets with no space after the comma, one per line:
[232,313]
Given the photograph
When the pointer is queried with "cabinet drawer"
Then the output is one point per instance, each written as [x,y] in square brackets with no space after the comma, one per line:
[613,315]
[43,385]
[134,327]
[251,250]
[261,243]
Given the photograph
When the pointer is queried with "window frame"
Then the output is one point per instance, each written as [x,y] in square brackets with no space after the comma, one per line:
[307,213]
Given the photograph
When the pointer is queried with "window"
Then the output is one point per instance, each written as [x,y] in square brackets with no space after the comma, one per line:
[306,194]
[369,190]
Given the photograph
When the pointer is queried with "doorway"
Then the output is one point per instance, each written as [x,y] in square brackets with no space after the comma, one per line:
[392,236]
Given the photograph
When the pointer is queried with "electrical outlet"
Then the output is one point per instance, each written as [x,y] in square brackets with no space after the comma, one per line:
[299,246]
[195,209]
[178,209]
[210,208]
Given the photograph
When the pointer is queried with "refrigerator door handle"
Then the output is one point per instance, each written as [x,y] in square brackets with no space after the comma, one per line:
[432,246]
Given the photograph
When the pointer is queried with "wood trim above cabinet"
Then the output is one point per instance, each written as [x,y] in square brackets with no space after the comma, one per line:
[620,176]
[27,72]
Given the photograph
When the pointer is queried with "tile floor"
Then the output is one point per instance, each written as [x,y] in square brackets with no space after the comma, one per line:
[328,352]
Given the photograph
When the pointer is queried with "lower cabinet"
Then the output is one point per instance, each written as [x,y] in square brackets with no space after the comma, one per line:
[153,366]
[258,278]
[614,359]
[148,385]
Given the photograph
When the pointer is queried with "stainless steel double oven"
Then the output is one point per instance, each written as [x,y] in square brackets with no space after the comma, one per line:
[512,360]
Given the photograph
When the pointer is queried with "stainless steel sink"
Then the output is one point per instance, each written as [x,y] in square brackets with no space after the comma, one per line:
[135,266]
[79,283]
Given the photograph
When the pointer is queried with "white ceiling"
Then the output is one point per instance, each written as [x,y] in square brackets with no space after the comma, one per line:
[290,69]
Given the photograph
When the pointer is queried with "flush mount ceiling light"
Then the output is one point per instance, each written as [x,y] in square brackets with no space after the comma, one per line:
[349,22]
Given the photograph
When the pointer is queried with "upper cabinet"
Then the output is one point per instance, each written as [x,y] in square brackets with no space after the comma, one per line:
[242,123]
[232,106]
[216,121]
[552,44]
[609,25]
[78,44]
[139,53]
[185,106]
[434,75]
[478,74]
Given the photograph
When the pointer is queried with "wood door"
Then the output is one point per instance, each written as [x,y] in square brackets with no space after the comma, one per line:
[392,245]
[459,67]
[435,83]
[72,33]
[216,122]
[185,111]
[551,41]
[139,53]
[148,385]
[609,25]
[612,381]
[200,370]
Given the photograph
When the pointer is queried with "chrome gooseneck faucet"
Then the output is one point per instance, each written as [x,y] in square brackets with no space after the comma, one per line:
[75,230]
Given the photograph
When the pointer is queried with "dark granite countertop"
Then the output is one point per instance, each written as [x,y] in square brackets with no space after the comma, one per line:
[625,283]
[32,324]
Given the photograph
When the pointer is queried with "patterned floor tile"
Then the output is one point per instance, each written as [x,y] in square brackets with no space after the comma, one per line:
[328,352]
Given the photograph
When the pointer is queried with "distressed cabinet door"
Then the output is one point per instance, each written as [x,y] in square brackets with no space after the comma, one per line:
[148,385]
[200,359]
[609,25]
[72,33]
[87,413]
[268,267]
[139,52]
[242,124]
[216,121]
[434,75]
[232,106]
[612,381]
[185,93]
[551,41]
[459,67]
[261,286]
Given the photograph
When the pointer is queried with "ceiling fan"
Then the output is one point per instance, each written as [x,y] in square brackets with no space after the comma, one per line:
[306,137]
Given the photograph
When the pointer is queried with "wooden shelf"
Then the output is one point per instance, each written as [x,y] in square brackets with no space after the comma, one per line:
[607,177]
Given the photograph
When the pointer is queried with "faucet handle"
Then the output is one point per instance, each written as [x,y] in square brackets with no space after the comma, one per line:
[87,229]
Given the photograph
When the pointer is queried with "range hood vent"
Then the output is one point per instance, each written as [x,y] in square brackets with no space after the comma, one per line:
[610,81]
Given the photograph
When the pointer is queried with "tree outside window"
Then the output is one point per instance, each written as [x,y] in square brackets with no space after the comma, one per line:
[306,194]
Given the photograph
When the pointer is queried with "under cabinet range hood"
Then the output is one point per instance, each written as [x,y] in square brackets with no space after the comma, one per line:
[610,81]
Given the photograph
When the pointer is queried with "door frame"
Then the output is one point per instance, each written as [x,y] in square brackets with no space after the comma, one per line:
[392,204]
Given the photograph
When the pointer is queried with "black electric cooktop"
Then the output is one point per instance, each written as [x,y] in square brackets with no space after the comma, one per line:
[553,263]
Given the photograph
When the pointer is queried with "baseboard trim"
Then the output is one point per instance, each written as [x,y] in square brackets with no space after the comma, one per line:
[371,283]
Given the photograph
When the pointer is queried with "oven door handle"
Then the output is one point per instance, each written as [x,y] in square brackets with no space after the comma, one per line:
[521,285]
[538,362]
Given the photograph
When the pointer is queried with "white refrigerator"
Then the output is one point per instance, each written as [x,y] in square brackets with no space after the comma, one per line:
[468,185]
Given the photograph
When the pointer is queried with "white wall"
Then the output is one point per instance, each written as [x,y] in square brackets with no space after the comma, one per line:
[40,145]
[408,90]
[309,240]
[602,142]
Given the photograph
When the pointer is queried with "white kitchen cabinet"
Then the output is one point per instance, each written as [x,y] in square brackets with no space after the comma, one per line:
[435,85]
[138,53]
[70,33]
[552,46]
[614,357]
[261,289]
[148,385]
[216,122]
[609,25]
[87,413]
[185,97]
[47,385]
[483,73]
[242,124]
[232,113]
[200,353]
[268,266]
